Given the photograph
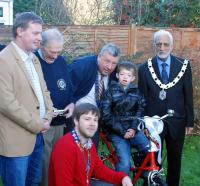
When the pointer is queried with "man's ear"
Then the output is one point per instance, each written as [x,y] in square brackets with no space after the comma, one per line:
[19,31]
[117,75]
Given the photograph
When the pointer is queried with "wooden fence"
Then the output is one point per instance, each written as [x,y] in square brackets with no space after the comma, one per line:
[132,40]
[135,43]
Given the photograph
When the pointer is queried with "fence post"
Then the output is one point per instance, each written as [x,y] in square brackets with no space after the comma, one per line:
[132,41]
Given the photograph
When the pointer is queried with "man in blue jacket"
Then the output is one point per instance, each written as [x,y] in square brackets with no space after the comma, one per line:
[91,75]
[56,75]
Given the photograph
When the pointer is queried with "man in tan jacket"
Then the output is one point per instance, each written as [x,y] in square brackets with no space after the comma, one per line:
[25,105]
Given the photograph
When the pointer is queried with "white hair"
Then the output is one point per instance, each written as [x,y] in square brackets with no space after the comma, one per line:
[159,33]
[52,34]
[111,49]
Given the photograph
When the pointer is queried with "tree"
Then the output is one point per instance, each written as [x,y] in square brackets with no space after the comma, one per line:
[90,12]
[52,11]
[165,13]
[23,5]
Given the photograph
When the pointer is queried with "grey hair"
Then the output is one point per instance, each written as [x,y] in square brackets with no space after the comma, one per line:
[161,33]
[52,34]
[22,20]
[111,49]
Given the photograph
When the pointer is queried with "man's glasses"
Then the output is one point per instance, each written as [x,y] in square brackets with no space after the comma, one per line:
[164,44]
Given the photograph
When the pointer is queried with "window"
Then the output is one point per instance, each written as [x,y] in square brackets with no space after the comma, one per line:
[1,11]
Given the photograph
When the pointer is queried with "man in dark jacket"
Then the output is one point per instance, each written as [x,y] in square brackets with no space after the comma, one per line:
[91,75]
[56,75]
[166,82]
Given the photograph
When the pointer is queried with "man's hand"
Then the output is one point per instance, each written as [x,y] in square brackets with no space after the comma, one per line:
[46,126]
[129,134]
[55,112]
[126,181]
[69,109]
[188,130]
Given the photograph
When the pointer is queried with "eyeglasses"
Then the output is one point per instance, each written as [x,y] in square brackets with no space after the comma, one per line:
[164,44]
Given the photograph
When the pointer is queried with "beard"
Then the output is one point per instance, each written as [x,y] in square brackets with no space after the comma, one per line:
[163,55]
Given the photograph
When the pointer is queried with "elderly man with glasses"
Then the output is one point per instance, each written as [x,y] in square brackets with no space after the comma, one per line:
[56,75]
[166,82]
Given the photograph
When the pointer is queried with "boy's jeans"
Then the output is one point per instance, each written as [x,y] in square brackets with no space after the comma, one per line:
[123,149]
[23,171]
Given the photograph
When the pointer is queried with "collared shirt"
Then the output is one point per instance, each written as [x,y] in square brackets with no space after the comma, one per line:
[40,54]
[168,63]
[27,59]
[90,97]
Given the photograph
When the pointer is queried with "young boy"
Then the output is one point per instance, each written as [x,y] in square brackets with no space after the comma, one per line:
[74,159]
[122,100]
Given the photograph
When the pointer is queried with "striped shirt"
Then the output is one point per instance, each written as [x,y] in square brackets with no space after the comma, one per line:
[33,76]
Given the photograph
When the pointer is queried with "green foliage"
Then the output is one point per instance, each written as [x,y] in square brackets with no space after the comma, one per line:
[53,12]
[160,13]
[23,6]
[172,13]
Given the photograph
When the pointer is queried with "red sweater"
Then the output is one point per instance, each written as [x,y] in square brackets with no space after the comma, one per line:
[68,167]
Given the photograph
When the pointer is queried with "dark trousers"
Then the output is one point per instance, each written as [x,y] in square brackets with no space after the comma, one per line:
[174,149]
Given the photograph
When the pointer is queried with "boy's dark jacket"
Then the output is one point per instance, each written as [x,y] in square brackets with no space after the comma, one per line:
[118,105]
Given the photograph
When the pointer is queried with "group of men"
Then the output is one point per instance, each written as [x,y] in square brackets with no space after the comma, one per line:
[38,93]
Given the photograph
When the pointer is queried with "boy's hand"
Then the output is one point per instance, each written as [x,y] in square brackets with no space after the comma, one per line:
[129,134]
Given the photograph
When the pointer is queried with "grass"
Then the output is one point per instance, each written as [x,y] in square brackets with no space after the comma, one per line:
[190,162]
[190,173]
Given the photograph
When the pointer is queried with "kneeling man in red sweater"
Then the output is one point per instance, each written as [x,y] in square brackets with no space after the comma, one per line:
[74,160]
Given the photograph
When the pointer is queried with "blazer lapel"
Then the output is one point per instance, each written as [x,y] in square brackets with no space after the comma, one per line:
[155,66]
[37,66]
[38,69]
[174,68]
[21,65]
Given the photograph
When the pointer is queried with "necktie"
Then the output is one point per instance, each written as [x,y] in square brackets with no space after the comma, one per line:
[164,73]
[101,87]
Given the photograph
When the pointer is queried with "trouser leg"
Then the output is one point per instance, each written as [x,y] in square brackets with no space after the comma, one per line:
[50,137]
[34,172]
[123,152]
[174,154]
[14,170]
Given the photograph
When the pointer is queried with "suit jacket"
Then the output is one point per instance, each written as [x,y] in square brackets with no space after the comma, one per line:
[179,97]
[83,72]
[19,106]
